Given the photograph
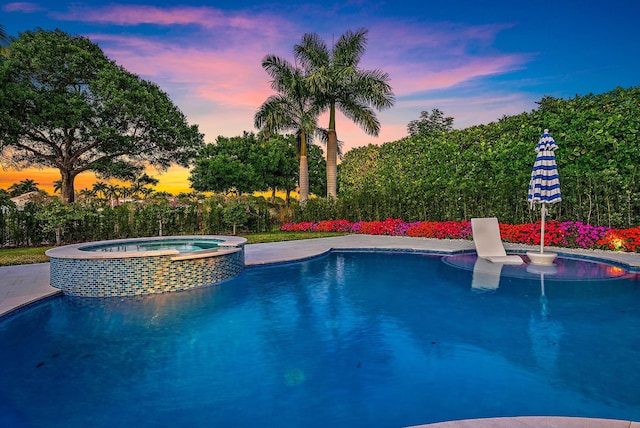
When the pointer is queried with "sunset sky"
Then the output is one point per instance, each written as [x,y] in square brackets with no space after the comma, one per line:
[475,60]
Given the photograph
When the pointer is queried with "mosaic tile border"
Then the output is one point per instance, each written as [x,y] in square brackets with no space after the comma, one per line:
[134,276]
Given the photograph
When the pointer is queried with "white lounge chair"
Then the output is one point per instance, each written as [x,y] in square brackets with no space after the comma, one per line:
[486,238]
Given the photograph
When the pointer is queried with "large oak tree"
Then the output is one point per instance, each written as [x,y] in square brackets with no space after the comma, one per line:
[64,104]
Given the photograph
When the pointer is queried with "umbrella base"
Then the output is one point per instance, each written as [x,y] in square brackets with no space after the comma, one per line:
[544,259]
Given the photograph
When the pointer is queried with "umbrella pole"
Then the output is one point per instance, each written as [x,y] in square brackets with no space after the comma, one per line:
[543,212]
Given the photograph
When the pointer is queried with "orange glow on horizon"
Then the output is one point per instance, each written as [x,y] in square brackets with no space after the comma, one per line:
[174,180]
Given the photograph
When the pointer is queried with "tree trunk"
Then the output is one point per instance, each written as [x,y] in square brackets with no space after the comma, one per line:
[67,191]
[304,179]
[332,155]
[304,169]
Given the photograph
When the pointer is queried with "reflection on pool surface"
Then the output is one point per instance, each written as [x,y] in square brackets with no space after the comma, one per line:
[564,268]
[347,340]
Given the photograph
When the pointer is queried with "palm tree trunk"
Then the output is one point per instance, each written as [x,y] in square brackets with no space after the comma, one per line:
[332,155]
[304,169]
[304,179]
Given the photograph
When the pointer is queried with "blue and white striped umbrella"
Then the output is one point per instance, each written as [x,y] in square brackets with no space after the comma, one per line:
[544,187]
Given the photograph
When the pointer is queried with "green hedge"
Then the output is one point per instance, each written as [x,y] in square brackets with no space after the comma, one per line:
[53,222]
[484,170]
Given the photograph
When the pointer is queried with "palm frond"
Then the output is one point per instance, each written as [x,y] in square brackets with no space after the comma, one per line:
[312,52]
[361,114]
[348,50]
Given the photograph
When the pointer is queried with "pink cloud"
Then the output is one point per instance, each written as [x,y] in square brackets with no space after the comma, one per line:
[231,76]
[215,76]
[24,7]
[219,89]
[412,78]
[136,15]
[204,17]
[440,56]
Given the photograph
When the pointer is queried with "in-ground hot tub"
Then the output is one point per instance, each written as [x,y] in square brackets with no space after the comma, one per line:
[133,267]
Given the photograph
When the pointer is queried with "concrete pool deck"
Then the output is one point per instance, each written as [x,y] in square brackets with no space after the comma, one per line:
[24,284]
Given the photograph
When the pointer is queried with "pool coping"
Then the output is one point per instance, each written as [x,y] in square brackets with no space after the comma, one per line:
[228,244]
[24,285]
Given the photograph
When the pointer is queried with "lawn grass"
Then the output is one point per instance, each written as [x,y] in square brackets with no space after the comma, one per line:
[23,256]
[257,238]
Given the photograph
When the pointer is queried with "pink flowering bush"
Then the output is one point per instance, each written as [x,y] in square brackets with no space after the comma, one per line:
[562,234]
[581,235]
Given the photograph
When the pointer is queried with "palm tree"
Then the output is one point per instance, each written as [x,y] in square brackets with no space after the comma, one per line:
[293,108]
[25,186]
[57,186]
[339,83]
[85,193]
[139,184]
[100,188]
[113,192]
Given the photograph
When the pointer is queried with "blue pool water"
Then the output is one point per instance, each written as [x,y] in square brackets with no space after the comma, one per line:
[181,245]
[345,340]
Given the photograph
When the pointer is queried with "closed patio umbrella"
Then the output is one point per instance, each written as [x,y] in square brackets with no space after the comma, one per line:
[544,187]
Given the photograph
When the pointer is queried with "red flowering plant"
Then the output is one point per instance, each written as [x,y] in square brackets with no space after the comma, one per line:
[519,233]
[424,229]
[621,239]
[287,227]
[441,230]
[632,238]
[389,226]
[305,226]
[564,234]
[333,226]
[529,233]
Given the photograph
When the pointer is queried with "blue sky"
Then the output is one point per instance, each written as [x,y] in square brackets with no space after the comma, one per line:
[475,60]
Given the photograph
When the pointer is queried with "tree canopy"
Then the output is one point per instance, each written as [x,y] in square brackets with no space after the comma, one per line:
[64,104]
[430,123]
[251,163]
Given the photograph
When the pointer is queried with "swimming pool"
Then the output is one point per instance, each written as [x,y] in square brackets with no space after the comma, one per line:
[350,339]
